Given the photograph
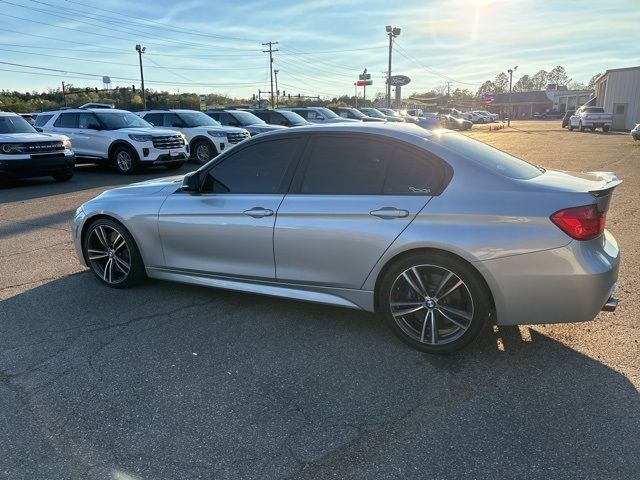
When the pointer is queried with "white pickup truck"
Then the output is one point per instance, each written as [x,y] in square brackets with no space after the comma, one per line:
[591,118]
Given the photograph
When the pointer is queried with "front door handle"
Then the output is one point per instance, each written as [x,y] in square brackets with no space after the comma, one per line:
[258,212]
[389,213]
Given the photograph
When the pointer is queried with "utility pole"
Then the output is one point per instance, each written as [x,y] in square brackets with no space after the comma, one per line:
[355,92]
[448,89]
[270,52]
[364,89]
[275,72]
[64,95]
[140,49]
[393,32]
[511,70]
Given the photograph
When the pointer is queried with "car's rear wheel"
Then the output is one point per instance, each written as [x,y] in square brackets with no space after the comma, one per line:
[112,254]
[62,176]
[203,151]
[580,127]
[124,159]
[434,302]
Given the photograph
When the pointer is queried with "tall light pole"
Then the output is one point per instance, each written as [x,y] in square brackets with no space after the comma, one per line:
[275,72]
[140,49]
[511,70]
[393,32]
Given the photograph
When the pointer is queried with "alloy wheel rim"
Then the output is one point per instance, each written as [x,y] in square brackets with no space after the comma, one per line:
[109,254]
[124,160]
[431,304]
[202,152]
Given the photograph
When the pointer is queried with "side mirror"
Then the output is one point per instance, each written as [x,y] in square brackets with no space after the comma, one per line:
[191,182]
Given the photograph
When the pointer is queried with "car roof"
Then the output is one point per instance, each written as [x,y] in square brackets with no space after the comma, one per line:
[396,130]
[80,110]
[8,114]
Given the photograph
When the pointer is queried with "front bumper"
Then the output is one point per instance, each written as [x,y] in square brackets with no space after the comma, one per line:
[150,155]
[36,165]
[568,284]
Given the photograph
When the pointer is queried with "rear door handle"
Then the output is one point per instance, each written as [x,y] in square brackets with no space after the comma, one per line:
[258,212]
[389,213]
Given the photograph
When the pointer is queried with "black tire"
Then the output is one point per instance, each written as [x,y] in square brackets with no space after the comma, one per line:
[605,129]
[173,165]
[570,128]
[62,176]
[580,127]
[105,236]
[470,299]
[199,149]
[119,157]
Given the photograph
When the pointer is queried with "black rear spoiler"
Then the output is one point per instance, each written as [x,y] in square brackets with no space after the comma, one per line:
[603,194]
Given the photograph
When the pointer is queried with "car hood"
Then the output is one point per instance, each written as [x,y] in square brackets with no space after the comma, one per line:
[30,137]
[148,187]
[340,120]
[265,127]
[219,128]
[156,132]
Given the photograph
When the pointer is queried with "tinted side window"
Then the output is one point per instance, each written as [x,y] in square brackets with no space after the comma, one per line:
[227,119]
[345,166]
[215,115]
[303,113]
[172,120]
[155,118]
[87,120]
[259,168]
[409,172]
[66,120]
[42,119]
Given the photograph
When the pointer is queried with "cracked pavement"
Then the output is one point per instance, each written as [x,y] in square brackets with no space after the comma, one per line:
[169,381]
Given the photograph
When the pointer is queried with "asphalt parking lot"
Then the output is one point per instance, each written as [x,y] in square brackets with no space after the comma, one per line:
[168,381]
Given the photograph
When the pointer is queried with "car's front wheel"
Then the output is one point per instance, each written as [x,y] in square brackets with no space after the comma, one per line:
[124,159]
[112,254]
[434,302]
[203,151]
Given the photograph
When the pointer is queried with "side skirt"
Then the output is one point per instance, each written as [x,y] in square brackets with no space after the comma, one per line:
[342,297]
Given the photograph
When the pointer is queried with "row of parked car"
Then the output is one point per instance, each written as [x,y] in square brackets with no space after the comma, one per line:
[55,140]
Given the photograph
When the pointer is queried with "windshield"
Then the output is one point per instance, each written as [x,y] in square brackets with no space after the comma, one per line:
[326,112]
[15,124]
[246,118]
[356,113]
[390,112]
[372,112]
[492,158]
[293,117]
[594,110]
[116,120]
[197,119]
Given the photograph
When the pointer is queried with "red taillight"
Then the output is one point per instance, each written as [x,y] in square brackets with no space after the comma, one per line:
[580,223]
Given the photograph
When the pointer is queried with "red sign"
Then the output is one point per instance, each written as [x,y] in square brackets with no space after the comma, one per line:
[360,83]
[487,98]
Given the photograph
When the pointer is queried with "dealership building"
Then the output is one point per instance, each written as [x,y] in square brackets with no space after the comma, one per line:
[618,91]
[555,98]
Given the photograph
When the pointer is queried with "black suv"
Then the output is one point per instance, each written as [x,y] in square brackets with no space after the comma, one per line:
[286,118]
[242,118]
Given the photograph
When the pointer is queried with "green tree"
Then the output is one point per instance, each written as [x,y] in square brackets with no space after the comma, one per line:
[501,83]
[539,80]
[486,87]
[524,84]
[592,81]
[559,76]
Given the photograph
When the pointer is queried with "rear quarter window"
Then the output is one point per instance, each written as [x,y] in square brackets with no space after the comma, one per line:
[495,160]
[42,119]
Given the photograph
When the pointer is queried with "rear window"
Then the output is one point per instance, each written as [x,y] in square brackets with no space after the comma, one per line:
[492,158]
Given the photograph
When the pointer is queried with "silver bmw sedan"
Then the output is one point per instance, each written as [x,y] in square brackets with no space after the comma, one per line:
[437,232]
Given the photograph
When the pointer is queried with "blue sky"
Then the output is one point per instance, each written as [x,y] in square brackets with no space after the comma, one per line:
[215,46]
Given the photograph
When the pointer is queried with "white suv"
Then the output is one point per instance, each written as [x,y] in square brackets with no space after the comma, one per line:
[26,153]
[206,137]
[100,135]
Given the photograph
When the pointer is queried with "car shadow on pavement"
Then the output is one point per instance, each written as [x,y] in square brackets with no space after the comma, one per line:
[86,177]
[169,381]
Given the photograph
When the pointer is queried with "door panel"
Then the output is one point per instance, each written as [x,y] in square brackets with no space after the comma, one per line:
[619,116]
[335,240]
[212,233]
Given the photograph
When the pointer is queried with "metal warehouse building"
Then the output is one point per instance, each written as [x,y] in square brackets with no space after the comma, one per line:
[618,91]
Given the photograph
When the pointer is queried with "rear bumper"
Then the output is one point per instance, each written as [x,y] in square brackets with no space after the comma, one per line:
[568,284]
[37,167]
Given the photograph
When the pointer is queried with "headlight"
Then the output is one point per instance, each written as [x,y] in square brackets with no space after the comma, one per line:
[66,143]
[140,138]
[216,134]
[11,147]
